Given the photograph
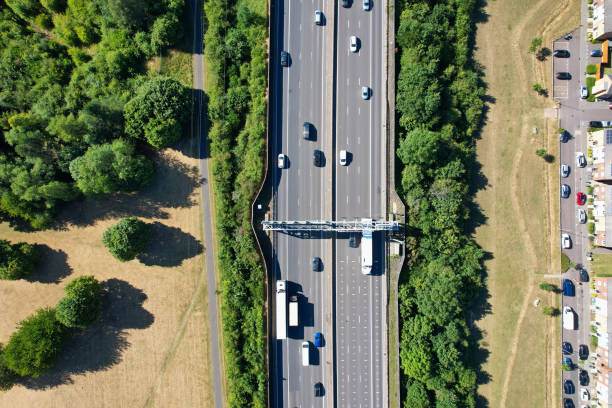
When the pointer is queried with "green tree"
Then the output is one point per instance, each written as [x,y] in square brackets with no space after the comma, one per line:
[127,238]
[420,146]
[165,32]
[82,305]
[535,44]
[159,111]
[36,345]
[416,396]
[541,152]
[17,261]
[8,377]
[54,6]
[550,311]
[548,287]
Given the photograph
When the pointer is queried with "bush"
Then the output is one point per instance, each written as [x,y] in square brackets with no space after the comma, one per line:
[8,377]
[550,311]
[17,261]
[36,344]
[127,238]
[82,305]
[591,69]
[535,44]
[591,227]
[548,287]
[566,263]
[594,341]
[541,152]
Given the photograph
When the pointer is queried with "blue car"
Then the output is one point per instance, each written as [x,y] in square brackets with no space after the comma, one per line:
[568,387]
[595,53]
[318,339]
[568,361]
[568,287]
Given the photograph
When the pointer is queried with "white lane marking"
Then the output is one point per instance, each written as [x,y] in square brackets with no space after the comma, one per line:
[299,83]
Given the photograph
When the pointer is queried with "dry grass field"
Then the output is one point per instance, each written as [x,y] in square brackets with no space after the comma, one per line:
[518,199]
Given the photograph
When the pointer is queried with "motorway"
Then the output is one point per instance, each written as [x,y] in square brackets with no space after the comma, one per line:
[304,92]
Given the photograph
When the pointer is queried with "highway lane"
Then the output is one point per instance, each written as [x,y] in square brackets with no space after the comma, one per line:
[303,191]
[359,186]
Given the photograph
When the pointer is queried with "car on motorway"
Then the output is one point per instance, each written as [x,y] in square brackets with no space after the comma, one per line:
[305,353]
[580,159]
[343,158]
[583,352]
[595,124]
[568,387]
[595,53]
[353,240]
[282,161]
[367,5]
[584,394]
[566,242]
[584,275]
[354,43]
[580,198]
[561,53]
[581,215]
[583,377]
[346,3]
[568,403]
[566,348]
[318,339]
[284,59]
[563,75]
[318,17]
[316,264]
[365,93]
[565,190]
[306,130]
[317,158]
[584,92]
[565,170]
[568,289]
[318,389]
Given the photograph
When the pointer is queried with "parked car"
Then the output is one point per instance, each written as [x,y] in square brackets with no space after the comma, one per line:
[568,289]
[563,75]
[565,190]
[581,215]
[580,198]
[367,5]
[568,362]
[318,389]
[284,59]
[282,161]
[580,159]
[317,158]
[568,403]
[568,387]
[563,136]
[595,124]
[566,348]
[561,53]
[606,123]
[316,264]
[566,242]
[584,394]
[584,275]
[565,170]
[595,53]
[318,339]
[354,43]
[583,352]
[318,17]
[584,92]
[584,378]
[365,93]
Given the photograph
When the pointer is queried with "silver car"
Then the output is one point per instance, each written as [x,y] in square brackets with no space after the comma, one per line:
[365,93]
[354,44]
[565,190]
[367,5]
[584,92]
[318,18]
[564,170]
[581,216]
[580,159]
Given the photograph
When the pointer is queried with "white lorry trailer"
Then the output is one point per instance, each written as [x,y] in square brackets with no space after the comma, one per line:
[293,311]
[568,318]
[281,310]
[366,247]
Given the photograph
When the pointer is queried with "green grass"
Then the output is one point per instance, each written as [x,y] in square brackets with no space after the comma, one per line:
[602,265]
[591,69]
[566,263]
[590,81]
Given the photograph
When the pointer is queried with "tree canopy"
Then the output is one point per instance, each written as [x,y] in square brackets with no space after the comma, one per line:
[127,238]
[17,261]
[82,304]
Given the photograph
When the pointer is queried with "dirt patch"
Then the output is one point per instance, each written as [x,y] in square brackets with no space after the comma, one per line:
[150,346]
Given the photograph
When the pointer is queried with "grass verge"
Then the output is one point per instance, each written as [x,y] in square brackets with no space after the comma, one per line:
[602,265]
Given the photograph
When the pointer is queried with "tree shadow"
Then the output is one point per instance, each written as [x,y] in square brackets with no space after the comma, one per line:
[100,346]
[169,246]
[52,267]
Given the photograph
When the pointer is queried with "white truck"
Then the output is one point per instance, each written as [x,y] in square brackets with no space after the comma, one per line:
[293,311]
[281,310]
[568,318]
[366,247]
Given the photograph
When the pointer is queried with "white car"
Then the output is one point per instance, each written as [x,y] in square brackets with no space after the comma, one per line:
[566,242]
[367,4]
[343,159]
[564,170]
[282,161]
[581,216]
[606,123]
[318,18]
[365,93]
[354,44]
[584,92]
[580,159]
[584,394]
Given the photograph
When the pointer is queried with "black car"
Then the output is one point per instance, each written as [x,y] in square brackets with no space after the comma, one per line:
[346,3]
[584,275]
[584,378]
[561,53]
[353,240]
[563,136]
[568,403]
[563,75]
[318,389]
[595,124]
[568,387]
[284,59]
[317,158]
[583,352]
[566,348]
[306,130]
[316,264]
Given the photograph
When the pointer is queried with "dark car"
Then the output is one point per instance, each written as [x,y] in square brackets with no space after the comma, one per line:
[595,124]
[568,287]
[568,362]
[568,403]
[318,339]
[317,158]
[353,240]
[568,387]
[595,53]
[583,352]
[316,264]
[565,190]
[563,75]
[346,3]
[566,347]
[318,389]
[284,59]
[563,136]
[584,378]
[584,275]
[580,198]
[306,130]
[561,53]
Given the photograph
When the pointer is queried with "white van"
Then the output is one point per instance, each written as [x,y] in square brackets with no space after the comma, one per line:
[305,353]
[343,161]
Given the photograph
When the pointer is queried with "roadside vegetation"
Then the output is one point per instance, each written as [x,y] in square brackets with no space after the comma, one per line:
[77,105]
[235,50]
[439,109]
[17,261]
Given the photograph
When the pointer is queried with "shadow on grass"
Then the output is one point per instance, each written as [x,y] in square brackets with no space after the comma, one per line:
[53,266]
[100,346]
[169,246]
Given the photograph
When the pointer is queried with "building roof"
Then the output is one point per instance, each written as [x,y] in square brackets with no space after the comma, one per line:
[603,86]
[602,19]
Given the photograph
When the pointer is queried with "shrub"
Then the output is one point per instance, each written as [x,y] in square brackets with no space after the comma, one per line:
[591,227]
[566,263]
[535,44]
[541,152]
[591,69]
[36,344]
[548,287]
[82,305]
[7,376]
[17,261]
[550,311]
[594,341]
[127,238]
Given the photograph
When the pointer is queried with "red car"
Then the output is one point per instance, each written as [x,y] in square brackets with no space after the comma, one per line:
[580,198]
